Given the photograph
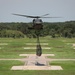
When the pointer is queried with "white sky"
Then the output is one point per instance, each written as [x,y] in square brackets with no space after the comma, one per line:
[56,8]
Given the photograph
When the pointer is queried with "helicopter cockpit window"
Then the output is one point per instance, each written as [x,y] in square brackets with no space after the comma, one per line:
[37,21]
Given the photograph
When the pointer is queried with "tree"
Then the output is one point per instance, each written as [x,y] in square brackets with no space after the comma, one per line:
[11,33]
[52,33]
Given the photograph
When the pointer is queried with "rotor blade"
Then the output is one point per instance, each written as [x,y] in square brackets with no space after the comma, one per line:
[44,15]
[35,16]
[25,16]
[50,17]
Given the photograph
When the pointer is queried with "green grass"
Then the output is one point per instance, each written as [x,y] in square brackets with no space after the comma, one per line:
[68,66]
[28,72]
[13,48]
[61,47]
[6,65]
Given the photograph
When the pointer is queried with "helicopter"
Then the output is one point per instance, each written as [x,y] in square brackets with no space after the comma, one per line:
[37,22]
[37,25]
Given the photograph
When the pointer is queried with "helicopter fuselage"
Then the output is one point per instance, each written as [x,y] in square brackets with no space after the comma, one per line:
[37,24]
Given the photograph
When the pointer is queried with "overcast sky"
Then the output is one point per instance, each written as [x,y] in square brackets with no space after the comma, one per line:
[56,8]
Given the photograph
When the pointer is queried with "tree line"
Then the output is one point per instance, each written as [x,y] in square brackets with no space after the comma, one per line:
[58,29]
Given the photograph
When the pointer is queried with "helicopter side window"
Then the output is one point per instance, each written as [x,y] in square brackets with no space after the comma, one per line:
[33,20]
[40,20]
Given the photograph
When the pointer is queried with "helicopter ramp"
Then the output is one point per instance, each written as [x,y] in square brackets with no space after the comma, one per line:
[34,62]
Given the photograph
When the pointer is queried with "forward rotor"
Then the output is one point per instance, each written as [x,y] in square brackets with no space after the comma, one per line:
[43,16]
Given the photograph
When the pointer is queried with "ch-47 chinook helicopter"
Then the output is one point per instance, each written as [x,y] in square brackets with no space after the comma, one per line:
[37,25]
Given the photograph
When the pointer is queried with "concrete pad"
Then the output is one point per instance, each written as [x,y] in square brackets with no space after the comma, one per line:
[17,68]
[35,55]
[23,54]
[34,62]
[35,48]
[3,43]
[42,68]
[36,68]
[36,43]
[56,68]
[46,48]
[48,54]
[73,44]
[29,47]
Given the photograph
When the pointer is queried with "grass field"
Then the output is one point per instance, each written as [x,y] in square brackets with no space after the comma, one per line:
[62,48]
